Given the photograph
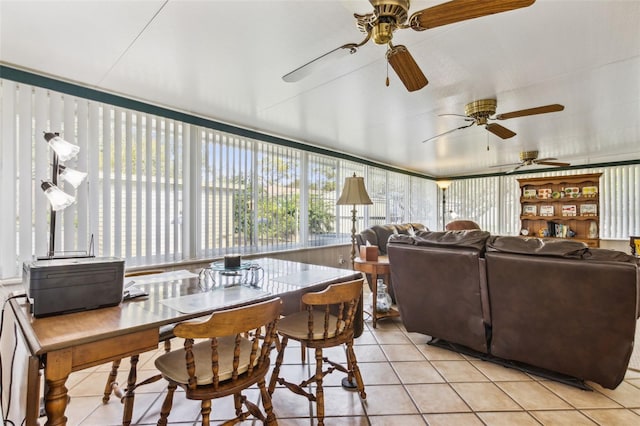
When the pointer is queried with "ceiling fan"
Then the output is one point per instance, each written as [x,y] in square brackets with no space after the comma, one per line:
[390,15]
[530,158]
[479,113]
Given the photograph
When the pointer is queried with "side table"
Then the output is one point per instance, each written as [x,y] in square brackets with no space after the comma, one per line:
[375,268]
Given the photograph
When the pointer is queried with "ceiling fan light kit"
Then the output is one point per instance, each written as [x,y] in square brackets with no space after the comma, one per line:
[391,15]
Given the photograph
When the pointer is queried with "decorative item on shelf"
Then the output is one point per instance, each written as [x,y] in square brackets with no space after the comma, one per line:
[544,193]
[546,210]
[590,191]
[543,232]
[383,300]
[354,193]
[555,195]
[589,210]
[569,210]
[593,229]
[571,233]
[529,193]
[572,192]
[530,210]
[524,232]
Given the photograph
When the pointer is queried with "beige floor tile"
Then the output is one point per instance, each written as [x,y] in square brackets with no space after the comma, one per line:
[388,400]
[437,398]
[433,353]
[390,337]
[499,373]
[459,371]
[344,420]
[417,372]
[402,353]
[365,339]
[485,397]
[532,395]
[455,419]
[341,402]
[404,420]
[418,338]
[625,394]
[294,422]
[612,417]
[288,404]
[377,373]
[369,353]
[520,418]
[562,418]
[579,398]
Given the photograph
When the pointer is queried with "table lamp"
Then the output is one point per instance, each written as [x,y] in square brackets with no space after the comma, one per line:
[354,193]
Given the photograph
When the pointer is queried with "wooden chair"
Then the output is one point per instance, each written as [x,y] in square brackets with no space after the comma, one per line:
[234,357]
[326,321]
[127,394]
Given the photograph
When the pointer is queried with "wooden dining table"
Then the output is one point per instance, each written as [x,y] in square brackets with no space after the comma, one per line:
[62,344]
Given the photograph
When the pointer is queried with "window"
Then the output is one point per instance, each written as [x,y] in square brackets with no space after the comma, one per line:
[162,190]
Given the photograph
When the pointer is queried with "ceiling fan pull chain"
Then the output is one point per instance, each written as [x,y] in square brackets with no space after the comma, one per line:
[387,80]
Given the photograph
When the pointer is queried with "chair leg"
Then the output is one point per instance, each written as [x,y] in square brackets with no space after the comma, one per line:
[167,404]
[276,368]
[303,353]
[319,390]
[354,370]
[266,404]
[205,410]
[111,381]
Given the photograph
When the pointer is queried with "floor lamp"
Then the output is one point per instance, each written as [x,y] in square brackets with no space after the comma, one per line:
[354,193]
[443,184]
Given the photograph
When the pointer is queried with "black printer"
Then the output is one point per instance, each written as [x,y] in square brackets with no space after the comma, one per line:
[57,286]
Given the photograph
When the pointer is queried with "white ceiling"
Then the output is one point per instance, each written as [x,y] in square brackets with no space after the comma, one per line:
[224,60]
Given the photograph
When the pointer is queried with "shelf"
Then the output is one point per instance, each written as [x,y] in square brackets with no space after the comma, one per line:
[566,200]
[550,218]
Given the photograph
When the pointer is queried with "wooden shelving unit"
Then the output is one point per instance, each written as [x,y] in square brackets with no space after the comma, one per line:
[562,207]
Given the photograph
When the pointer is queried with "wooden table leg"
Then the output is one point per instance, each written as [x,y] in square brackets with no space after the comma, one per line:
[374,296]
[56,371]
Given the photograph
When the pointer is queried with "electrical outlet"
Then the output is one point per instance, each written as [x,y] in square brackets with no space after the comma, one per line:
[341,260]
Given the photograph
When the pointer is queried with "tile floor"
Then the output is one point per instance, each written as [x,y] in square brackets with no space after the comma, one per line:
[407,383]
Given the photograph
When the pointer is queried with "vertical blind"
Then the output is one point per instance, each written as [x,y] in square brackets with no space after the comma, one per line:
[159,190]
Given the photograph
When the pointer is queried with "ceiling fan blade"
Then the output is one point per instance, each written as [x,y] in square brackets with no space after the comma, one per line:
[515,168]
[406,67]
[461,10]
[498,166]
[500,131]
[466,118]
[320,62]
[447,132]
[531,111]
[551,163]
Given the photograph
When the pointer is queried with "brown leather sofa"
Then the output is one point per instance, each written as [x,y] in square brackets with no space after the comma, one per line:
[378,235]
[549,304]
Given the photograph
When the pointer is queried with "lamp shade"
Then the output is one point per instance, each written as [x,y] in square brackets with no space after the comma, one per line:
[58,198]
[74,177]
[354,192]
[65,150]
[443,184]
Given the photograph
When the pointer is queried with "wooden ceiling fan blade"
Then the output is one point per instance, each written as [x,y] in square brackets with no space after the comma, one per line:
[531,111]
[515,168]
[406,68]
[447,132]
[320,62]
[461,10]
[552,163]
[498,166]
[500,131]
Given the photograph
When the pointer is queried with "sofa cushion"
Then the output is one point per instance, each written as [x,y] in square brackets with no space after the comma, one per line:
[606,255]
[538,246]
[475,239]
[378,235]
